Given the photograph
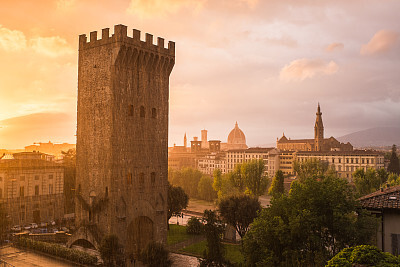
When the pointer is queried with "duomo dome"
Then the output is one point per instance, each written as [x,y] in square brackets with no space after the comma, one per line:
[236,136]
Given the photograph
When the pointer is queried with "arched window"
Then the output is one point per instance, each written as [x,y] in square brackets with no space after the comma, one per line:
[142,112]
[154,113]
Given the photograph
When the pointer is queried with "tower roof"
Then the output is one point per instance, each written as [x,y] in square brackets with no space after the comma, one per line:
[236,136]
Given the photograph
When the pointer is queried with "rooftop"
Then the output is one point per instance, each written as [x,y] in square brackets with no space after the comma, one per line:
[388,198]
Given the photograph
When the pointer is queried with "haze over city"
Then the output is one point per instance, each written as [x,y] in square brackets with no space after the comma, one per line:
[264,64]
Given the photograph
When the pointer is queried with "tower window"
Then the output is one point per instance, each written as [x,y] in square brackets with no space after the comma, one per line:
[129,178]
[130,110]
[153,177]
[153,113]
[141,179]
[142,112]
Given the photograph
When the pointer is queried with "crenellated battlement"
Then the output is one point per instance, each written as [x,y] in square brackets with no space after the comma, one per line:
[121,35]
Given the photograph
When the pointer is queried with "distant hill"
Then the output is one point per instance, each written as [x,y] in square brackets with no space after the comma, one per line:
[374,137]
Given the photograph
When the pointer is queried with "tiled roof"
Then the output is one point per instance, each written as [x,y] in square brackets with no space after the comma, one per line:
[309,141]
[388,198]
[341,153]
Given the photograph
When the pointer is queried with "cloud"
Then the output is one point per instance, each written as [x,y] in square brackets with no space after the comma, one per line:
[37,127]
[334,47]
[301,69]
[381,42]
[146,8]
[51,46]
[12,40]
[65,4]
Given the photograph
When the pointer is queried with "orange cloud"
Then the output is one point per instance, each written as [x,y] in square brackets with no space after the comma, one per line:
[301,69]
[18,132]
[334,47]
[12,40]
[146,8]
[51,46]
[381,42]
[65,4]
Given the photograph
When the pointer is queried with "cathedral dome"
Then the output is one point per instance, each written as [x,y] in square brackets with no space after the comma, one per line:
[236,136]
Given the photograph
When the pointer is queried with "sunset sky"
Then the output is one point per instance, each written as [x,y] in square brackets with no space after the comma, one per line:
[263,63]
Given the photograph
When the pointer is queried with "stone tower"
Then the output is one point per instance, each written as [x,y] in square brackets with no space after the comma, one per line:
[122,138]
[185,141]
[204,141]
[318,131]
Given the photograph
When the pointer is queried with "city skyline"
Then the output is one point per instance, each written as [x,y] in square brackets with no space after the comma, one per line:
[265,65]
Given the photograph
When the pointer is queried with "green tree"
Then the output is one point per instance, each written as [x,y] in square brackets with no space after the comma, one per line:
[187,178]
[194,226]
[213,230]
[177,201]
[394,165]
[383,175]
[217,182]
[205,189]
[393,179]
[239,211]
[254,178]
[155,255]
[366,181]
[277,188]
[363,255]
[308,226]
[110,251]
[237,178]
[69,162]
[312,167]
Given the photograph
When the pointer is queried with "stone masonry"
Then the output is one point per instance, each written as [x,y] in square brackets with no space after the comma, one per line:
[122,139]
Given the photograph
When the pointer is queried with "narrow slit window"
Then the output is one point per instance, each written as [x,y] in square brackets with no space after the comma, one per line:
[130,111]
[142,112]
[153,178]
[129,178]
[141,179]
[154,113]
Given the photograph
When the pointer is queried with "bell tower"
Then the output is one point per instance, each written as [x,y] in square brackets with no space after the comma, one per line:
[318,131]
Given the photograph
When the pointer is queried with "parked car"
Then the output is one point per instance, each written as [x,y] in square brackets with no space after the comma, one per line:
[52,223]
[65,229]
[33,225]
[27,227]
[16,228]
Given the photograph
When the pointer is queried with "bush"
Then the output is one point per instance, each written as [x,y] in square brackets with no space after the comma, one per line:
[194,226]
[155,255]
[58,251]
[110,251]
[364,255]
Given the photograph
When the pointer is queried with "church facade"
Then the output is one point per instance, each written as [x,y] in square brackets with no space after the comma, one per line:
[318,143]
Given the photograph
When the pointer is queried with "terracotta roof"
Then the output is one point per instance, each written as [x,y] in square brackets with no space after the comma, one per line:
[307,141]
[388,198]
[340,153]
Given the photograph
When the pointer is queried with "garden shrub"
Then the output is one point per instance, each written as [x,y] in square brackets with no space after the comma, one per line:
[155,255]
[58,251]
[194,226]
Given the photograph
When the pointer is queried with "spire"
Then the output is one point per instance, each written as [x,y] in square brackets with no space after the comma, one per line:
[185,140]
[236,125]
[318,130]
[319,110]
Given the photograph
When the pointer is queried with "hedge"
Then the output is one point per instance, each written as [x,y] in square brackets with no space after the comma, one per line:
[58,250]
